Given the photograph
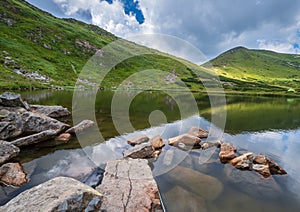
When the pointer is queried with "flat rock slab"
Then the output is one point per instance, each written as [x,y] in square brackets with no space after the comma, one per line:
[58,194]
[13,100]
[128,185]
[7,151]
[55,111]
[138,140]
[35,138]
[185,139]
[80,127]
[12,174]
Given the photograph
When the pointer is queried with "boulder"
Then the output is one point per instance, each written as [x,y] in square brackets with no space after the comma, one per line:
[207,144]
[208,187]
[35,123]
[11,125]
[13,100]
[7,151]
[63,137]
[35,138]
[51,111]
[145,150]
[138,140]
[58,194]
[12,174]
[186,139]
[128,185]
[157,142]
[198,132]
[227,152]
[189,201]
[81,127]
[243,162]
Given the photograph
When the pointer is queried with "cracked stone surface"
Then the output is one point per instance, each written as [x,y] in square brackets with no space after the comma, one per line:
[128,185]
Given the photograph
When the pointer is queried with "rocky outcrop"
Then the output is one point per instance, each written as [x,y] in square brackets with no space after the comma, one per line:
[35,138]
[157,142]
[145,150]
[81,127]
[59,194]
[12,174]
[185,139]
[13,100]
[198,132]
[128,185]
[227,152]
[7,151]
[138,140]
[51,111]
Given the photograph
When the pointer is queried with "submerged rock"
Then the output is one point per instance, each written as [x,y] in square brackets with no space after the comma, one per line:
[227,152]
[138,140]
[128,185]
[51,111]
[7,151]
[186,139]
[80,127]
[12,174]
[13,100]
[157,142]
[35,138]
[58,194]
[198,132]
[145,150]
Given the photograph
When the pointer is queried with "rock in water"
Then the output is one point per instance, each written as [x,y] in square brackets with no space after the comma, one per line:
[207,144]
[94,178]
[198,132]
[12,174]
[81,127]
[7,151]
[51,111]
[157,142]
[274,168]
[243,162]
[35,138]
[145,150]
[227,152]
[58,194]
[13,100]
[138,140]
[11,125]
[63,137]
[186,139]
[128,185]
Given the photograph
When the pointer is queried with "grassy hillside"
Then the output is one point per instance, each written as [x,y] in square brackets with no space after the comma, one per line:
[40,50]
[259,68]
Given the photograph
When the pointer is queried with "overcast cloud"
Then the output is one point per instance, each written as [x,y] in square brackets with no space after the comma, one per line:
[213,26]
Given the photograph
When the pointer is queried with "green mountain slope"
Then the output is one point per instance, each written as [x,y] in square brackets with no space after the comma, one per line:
[259,68]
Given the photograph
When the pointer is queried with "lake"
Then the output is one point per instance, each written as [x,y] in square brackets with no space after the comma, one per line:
[192,180]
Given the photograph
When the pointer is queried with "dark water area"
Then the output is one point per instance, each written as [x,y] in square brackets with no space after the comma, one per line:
[191,180]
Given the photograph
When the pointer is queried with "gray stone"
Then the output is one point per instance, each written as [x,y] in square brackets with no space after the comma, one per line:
[12,174]
[138,140]
[81,127]
[186,139]
[58,194]
[128,185]
[51,111]
[11,125]
[7,151]
[13,100]
[35,138]
[145,150]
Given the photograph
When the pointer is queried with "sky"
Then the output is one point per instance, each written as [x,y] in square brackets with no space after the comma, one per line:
[212,26]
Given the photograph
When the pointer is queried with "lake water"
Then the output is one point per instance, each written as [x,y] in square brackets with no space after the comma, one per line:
[191,180]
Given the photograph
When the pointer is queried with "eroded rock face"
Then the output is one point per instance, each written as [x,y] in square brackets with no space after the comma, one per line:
[145,150]
[138,140]
[128,185]
[185,139]
[12,174]
[7,151]
[198,132]
[157,142]
[51,111]
[81,127]
[58,194]
[13,100]
[35,138]
[227,152]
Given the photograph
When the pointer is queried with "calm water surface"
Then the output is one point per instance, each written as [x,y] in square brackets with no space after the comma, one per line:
[188,180]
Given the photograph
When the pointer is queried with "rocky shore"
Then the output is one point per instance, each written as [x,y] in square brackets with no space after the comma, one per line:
[128,183]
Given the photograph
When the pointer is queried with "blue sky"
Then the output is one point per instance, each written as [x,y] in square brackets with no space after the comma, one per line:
[213,26]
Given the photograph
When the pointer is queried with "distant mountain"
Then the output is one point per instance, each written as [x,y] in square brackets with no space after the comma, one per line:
[259,66]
